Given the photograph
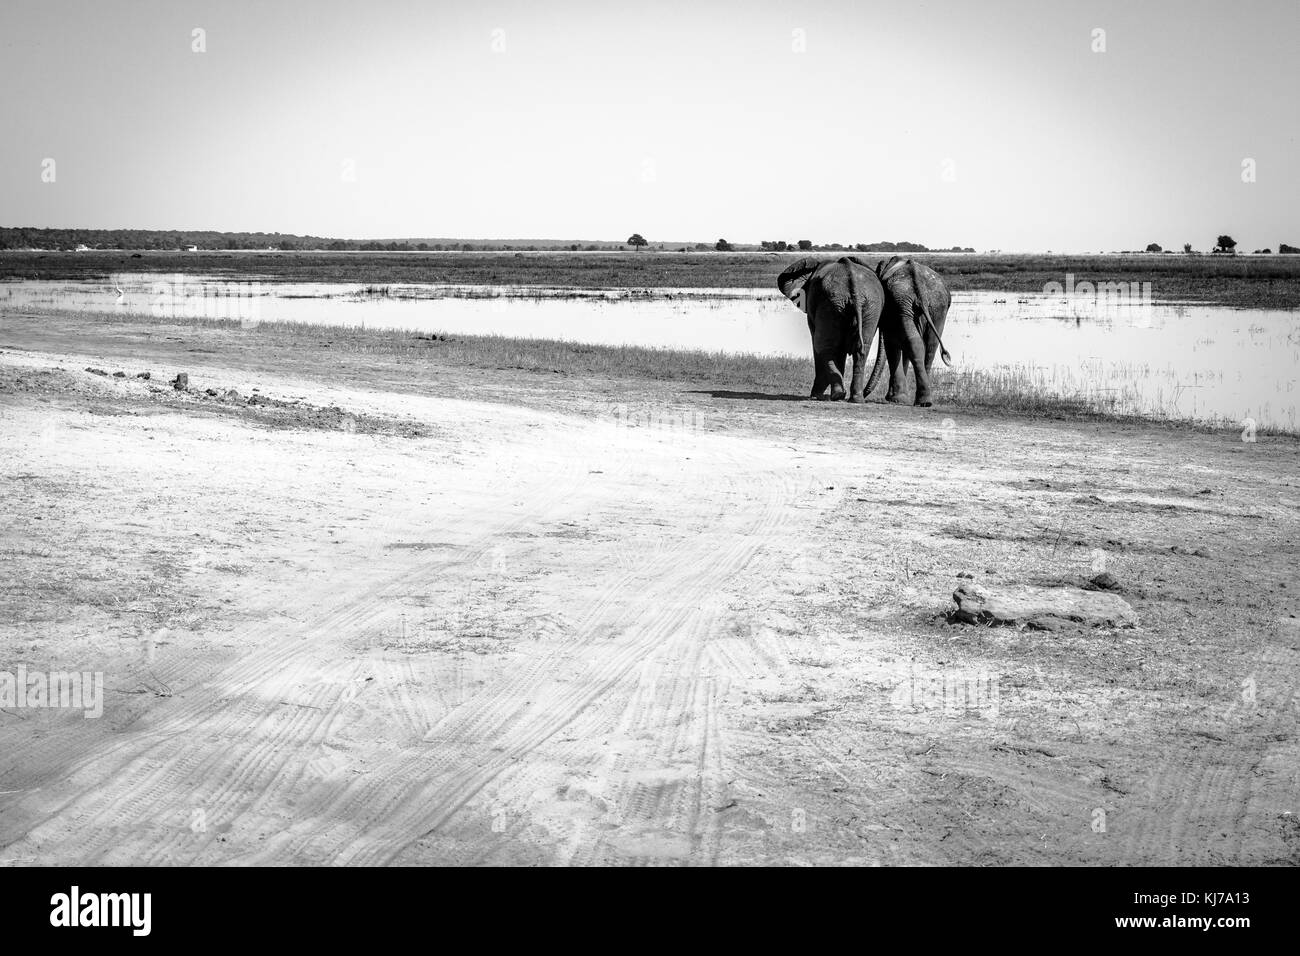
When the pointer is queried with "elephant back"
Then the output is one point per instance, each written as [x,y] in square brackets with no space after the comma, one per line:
[912,280]
[934,291]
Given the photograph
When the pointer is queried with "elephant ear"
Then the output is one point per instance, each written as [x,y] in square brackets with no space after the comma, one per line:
[791,281]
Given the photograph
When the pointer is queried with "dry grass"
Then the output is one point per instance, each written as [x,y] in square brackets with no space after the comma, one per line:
[1028,392]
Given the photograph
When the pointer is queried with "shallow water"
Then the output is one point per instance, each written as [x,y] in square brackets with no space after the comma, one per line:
[1187,361]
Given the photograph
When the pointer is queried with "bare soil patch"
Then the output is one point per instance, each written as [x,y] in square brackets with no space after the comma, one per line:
[501,620]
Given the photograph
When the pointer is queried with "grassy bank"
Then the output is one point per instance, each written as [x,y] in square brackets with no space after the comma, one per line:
[1248,281]
[326,352]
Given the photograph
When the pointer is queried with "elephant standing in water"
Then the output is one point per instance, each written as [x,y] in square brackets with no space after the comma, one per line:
[843,300]
[916,308]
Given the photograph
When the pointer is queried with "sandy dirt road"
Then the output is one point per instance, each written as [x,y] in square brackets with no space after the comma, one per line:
[617,624]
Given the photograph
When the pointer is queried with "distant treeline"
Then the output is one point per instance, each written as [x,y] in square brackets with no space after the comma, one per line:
[25,237]
[807,245]
[70,240]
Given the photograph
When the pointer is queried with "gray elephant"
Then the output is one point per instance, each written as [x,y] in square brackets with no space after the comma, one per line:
[843,300]
[916,309]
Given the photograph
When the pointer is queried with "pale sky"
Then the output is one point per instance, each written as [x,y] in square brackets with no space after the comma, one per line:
[950,122]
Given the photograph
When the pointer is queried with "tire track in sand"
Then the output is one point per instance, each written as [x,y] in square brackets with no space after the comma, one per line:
[1200,799]
[152,775]
[411,796]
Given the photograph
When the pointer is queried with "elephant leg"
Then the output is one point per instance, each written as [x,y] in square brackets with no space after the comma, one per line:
[870,312]
[857,386]
[828,376]
[837,382]
[824,324]
[819,381]
[915,351]
[894,354]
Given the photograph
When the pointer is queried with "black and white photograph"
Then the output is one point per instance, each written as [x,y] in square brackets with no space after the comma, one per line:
[587,433]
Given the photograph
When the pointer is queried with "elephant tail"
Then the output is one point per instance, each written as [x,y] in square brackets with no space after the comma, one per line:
[878,369]
[858,344]
[855,344]
[923,320]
